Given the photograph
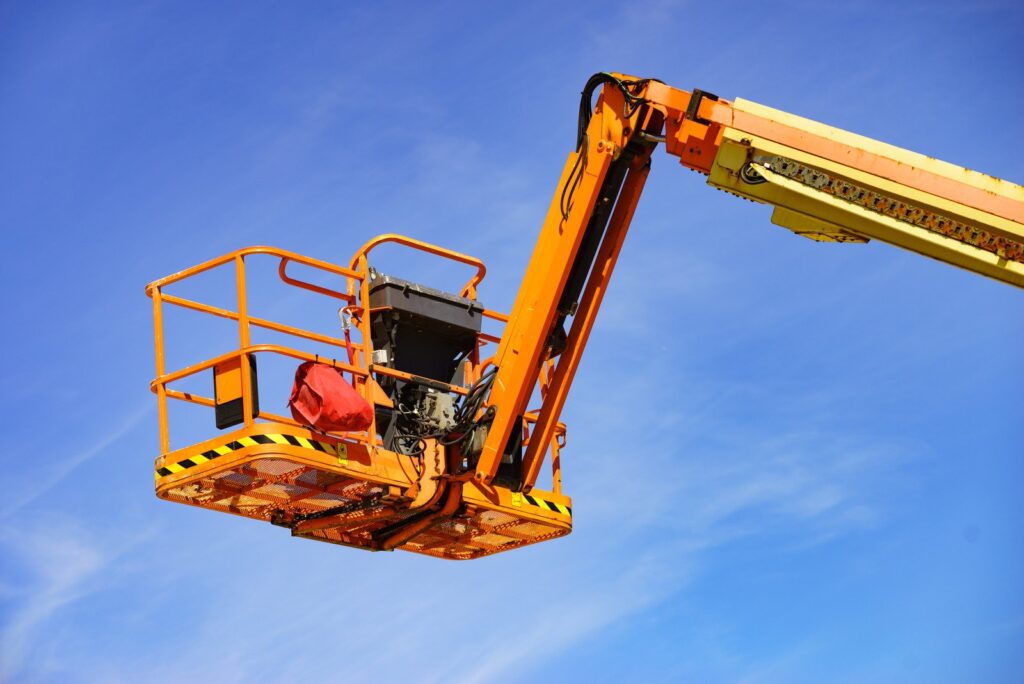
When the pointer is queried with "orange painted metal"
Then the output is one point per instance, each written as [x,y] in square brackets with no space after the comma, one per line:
[161,388]
[401,375]
[468,290]
[519,355]
[281,350]
[282,272]
[583,322]
[695,140]
[251,251]
[258,322]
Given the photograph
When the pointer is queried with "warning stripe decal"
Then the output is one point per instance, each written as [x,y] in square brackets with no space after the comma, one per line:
[340,449]
[518,498]
[241,443]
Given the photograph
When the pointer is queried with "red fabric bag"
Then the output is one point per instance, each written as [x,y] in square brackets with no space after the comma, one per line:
[322,399]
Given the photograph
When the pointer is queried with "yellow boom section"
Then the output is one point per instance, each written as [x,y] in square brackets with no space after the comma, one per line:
[834,186]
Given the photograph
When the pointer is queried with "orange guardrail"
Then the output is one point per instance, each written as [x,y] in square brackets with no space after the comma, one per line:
[161,383]
[354,293]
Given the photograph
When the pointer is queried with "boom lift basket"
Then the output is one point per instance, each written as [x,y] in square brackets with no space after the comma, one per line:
[351,488]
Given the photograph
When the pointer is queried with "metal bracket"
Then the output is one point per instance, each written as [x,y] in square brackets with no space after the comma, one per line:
[695,99]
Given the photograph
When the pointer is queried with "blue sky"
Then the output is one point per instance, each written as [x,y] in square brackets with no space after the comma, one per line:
[790,462]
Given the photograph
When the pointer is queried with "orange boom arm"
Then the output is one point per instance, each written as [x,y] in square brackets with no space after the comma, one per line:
[826,184]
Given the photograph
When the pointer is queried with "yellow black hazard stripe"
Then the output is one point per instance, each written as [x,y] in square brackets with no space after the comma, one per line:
[518,499]
[339,450]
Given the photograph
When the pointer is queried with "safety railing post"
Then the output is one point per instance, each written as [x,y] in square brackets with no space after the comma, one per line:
[556,466]
[161,389]
[366,344]
[243,340]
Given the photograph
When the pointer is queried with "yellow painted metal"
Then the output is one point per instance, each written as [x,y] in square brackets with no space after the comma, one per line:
[879,160]
[876,148]
[808,210]
[812,227]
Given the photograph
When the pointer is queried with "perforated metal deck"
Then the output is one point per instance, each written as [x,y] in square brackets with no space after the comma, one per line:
[330,490]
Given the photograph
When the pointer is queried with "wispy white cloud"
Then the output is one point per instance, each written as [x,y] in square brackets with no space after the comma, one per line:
[60,564]
[783,667]
[585,610]
[62,561]
[37,485]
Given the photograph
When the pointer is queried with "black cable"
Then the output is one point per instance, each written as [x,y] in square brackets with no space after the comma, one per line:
[469,405]
[587,95]
[410,436]
[633,103]
[565,202]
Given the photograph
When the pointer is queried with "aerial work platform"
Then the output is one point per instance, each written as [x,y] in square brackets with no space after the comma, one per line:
[419,430]
[344,488]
